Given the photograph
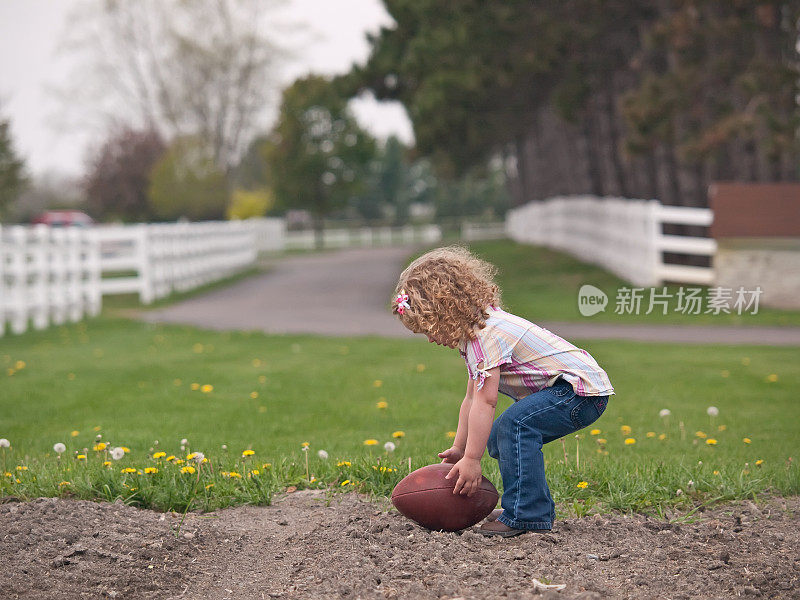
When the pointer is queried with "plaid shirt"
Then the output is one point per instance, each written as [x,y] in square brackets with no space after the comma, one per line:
[530,358]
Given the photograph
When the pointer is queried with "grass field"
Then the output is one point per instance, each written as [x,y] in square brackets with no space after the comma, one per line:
[132,383]
[543,284]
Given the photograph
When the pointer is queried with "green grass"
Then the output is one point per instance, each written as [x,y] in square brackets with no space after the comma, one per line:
[542,284]
[132,382]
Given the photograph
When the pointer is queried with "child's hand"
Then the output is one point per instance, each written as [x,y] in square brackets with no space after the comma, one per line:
[452,455]
[468,471]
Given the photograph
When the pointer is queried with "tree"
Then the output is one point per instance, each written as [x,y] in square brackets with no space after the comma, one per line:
[317,153]
[203,68]
[12,168]
[186,183]
[643,99]
[118,176]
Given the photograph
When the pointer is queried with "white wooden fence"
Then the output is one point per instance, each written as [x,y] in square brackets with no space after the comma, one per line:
[47,276]
[365,236]
[624,236]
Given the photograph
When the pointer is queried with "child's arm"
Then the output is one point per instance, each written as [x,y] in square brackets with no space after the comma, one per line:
[481,417]
[456,452]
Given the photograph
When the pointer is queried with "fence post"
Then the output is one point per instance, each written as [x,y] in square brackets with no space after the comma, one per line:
[143,260]
[40,267]
[18,293]
[93,297]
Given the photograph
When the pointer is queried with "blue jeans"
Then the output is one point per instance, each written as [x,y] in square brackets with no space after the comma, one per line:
[516,441]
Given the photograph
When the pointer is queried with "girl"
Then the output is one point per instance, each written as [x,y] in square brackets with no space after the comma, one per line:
[450,296]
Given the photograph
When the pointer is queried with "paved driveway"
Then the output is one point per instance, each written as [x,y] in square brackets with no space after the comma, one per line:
[343,292]
[347,292]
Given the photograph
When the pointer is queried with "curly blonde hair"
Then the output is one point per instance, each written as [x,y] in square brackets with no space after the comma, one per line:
[448,291]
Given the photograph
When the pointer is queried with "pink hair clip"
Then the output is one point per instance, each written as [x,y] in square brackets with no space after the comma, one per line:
[402,302]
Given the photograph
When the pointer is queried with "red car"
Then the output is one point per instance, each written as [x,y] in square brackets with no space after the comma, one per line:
[64,218]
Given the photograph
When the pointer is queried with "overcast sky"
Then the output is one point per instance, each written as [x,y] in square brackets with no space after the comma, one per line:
[31,66]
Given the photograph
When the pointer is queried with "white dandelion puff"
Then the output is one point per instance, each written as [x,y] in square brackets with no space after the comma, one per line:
[117,453]
[712,411]
[322,454]
[198,457]
[4,443]
[664,412]
[184,441]
[59,448]
[389,446]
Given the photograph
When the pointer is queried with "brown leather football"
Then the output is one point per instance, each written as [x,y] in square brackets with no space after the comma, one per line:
[427,498]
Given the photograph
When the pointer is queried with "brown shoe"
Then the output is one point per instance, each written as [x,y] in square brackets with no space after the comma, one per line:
[497,528]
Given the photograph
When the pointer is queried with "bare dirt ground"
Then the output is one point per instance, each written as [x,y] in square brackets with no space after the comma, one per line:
[306,547]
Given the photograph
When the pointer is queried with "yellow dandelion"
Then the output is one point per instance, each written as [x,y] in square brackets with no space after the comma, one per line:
[19,365]
[209,486]
[746,440]
[207,388]
[772,377]
[256,362]
[382,404]
[234,475]
[21,468]
[662,436]
[188,469]
[262,379]
[81,457]
[254,395]
[159,455]
[255,471]
[630,441]
[75,433]
[711,442]
[99,447]
[716,472]
[420,368]
[195,386]
[170,458]
[197,348]
[176,381]
[451,434]
[7,474]
[107,463]
[377,383]
[125,449]
[305,444]
[625,429]
[343,463]
[398,434]
[759,462]
[345,482]
[701,434]
[266,466]
[583,484]
[191,455]
[247,453]
[150,470]
[63,483]
[179,461]
[128,470]
[370,442]
[722,427]
[602,440]
[595,432]
[651,434]
[10,371]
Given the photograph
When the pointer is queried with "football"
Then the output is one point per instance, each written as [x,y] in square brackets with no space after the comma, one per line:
[427,498]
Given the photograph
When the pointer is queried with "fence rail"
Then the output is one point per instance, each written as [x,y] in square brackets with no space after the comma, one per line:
[624,236]
[365,236]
